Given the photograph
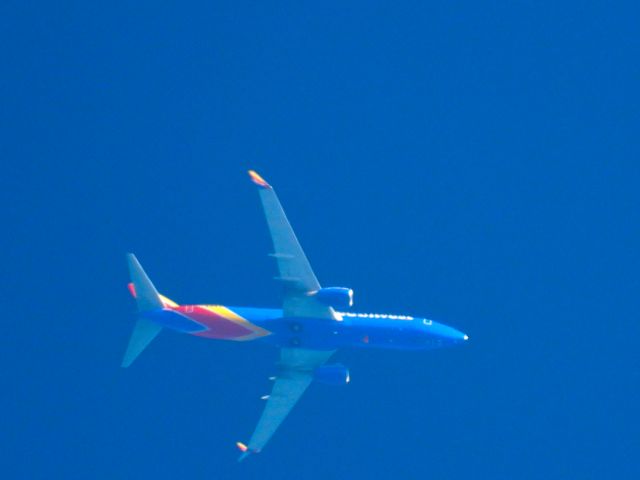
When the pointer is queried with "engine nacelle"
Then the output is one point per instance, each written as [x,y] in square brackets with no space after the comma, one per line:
[336,297]
[335,374]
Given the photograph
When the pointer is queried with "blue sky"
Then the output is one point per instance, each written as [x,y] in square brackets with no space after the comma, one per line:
[472,163]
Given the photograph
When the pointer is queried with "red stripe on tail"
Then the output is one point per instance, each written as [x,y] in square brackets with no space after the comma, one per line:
[132,290]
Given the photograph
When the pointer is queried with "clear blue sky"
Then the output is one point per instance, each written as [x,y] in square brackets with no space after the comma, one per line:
[472,162]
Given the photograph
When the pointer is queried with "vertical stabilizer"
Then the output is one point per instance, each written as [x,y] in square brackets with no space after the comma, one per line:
[147,298]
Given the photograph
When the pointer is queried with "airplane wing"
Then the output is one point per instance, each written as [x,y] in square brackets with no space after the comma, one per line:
[295,271]
[295,375]
[296,365]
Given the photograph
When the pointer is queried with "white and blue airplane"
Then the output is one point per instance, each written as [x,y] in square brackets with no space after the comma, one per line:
[312,324]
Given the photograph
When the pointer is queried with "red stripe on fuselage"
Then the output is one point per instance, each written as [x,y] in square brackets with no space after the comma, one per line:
[217,325]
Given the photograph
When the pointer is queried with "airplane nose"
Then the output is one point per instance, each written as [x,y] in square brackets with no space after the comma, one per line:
[459,337]
[448,334]
[455,336]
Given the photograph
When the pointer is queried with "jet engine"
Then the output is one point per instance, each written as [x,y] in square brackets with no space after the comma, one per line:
[336,297]
[335,374]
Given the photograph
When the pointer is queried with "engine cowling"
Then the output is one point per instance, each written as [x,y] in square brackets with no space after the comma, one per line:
[336,297]
[334,374]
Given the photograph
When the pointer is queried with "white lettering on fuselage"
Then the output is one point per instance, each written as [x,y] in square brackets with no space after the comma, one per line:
[377,315]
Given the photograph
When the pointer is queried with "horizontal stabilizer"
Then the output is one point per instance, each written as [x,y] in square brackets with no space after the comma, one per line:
[144,331]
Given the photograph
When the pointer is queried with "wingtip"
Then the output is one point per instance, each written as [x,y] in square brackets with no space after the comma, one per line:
[258,180]
[244,449]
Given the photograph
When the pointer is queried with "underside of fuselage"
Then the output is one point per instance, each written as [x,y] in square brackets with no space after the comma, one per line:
[268,325]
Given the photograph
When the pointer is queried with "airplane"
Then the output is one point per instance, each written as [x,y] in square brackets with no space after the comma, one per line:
[312,324]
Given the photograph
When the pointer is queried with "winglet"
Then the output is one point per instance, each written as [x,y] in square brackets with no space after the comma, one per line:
[258,180]
[244,449]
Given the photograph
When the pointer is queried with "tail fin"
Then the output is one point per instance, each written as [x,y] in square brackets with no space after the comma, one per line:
[147,298]
[146,295]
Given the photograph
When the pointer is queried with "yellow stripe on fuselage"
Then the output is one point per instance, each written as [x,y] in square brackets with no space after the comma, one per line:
[167,302]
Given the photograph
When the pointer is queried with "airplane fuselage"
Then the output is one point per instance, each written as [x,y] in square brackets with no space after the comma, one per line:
[269,325]
[312,324]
